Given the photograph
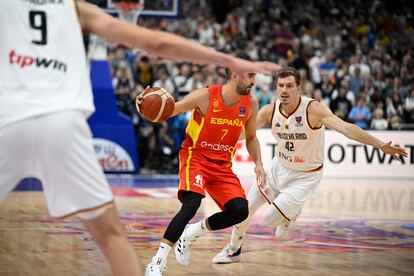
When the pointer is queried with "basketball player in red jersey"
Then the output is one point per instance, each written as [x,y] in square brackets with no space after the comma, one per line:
[220,113]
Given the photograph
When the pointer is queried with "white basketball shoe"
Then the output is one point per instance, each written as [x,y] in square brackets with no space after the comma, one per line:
[227,256]
[283,231]
[182,248]
[155,268]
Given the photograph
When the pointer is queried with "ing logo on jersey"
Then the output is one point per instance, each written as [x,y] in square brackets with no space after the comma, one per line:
[198,180]
[242,111]
[286,126]
[277,124]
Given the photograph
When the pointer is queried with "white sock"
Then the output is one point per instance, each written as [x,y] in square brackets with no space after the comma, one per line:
[196,229]
[161,257]
[237,237]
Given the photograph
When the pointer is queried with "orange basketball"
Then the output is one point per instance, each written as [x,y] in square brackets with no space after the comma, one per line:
[157,104]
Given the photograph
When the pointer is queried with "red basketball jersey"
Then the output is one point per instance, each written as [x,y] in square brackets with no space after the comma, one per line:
[215,135]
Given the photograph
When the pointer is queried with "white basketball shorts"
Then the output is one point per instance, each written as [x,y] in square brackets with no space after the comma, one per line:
[57,149]
[291,188]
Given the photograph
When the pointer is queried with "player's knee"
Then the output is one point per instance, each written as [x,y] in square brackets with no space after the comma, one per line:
[105,227]
[239,209]
[191,203]
[188,212]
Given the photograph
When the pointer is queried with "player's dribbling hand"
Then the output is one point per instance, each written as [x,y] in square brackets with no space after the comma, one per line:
[395,151]
[139,98]
[261,177]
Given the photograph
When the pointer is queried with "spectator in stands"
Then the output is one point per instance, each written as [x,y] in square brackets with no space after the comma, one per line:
[123,84]
[143,70]
[360,114]
[182,81]
[119,58]
[327,86]
[318,96]
[357,62]
[409,108]
[355,81]
[341,106]
[165,82]
[378,121]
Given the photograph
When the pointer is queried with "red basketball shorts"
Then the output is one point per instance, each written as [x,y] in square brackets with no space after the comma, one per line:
[197,174]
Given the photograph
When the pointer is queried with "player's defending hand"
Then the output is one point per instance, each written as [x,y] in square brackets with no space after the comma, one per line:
[242,67]
[395,151]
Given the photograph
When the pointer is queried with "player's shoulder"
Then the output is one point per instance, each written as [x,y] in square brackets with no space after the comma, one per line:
[269,106]
[254,100]
[201,92]
[316,108]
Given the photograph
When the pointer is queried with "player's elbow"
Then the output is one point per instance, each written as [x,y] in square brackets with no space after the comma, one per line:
[156,44]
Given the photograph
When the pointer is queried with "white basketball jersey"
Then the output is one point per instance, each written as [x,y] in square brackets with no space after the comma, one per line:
[43,66]
[299,146]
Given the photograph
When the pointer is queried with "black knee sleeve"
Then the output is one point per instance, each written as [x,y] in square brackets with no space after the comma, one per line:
[236,211]
[190,203]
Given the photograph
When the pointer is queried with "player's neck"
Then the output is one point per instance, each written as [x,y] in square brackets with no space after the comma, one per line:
[288,108]
[229,94]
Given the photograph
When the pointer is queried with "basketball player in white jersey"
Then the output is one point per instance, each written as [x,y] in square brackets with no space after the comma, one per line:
[45,99]
[298,124]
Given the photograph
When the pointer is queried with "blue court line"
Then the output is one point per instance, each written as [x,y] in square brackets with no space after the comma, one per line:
[115,181]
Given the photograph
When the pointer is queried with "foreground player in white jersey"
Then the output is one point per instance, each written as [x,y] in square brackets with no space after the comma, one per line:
[298,124]
[45,99]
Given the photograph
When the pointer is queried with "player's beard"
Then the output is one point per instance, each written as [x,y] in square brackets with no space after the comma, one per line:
[243,89]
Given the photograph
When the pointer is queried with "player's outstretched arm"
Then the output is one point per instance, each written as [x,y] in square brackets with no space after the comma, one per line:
[320,114]
[162,44]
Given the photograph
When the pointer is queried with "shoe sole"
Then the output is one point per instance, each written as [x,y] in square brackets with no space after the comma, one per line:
[227,262]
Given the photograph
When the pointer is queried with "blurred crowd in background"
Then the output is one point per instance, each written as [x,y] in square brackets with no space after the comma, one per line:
[354,56]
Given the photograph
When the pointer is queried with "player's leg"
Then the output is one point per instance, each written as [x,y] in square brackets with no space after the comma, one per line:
[225,189]
[232,251]
[191,192]
[108,232]
[15,155]
[191,201]
[75,185]
[256,200]
[286,207]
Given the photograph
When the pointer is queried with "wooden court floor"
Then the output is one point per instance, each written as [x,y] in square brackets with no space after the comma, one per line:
[358,227]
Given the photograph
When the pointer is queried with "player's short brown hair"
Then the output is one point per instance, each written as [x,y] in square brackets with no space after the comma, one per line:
[287,71]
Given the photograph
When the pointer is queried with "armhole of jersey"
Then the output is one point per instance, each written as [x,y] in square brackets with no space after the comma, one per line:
[248,104]
[75,5]
[307,117]
[273,114]
[210,106]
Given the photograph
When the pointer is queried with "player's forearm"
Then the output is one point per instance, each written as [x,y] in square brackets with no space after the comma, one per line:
[174,47]
[354,132]
[162,44]
[253,147]
[165,44]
